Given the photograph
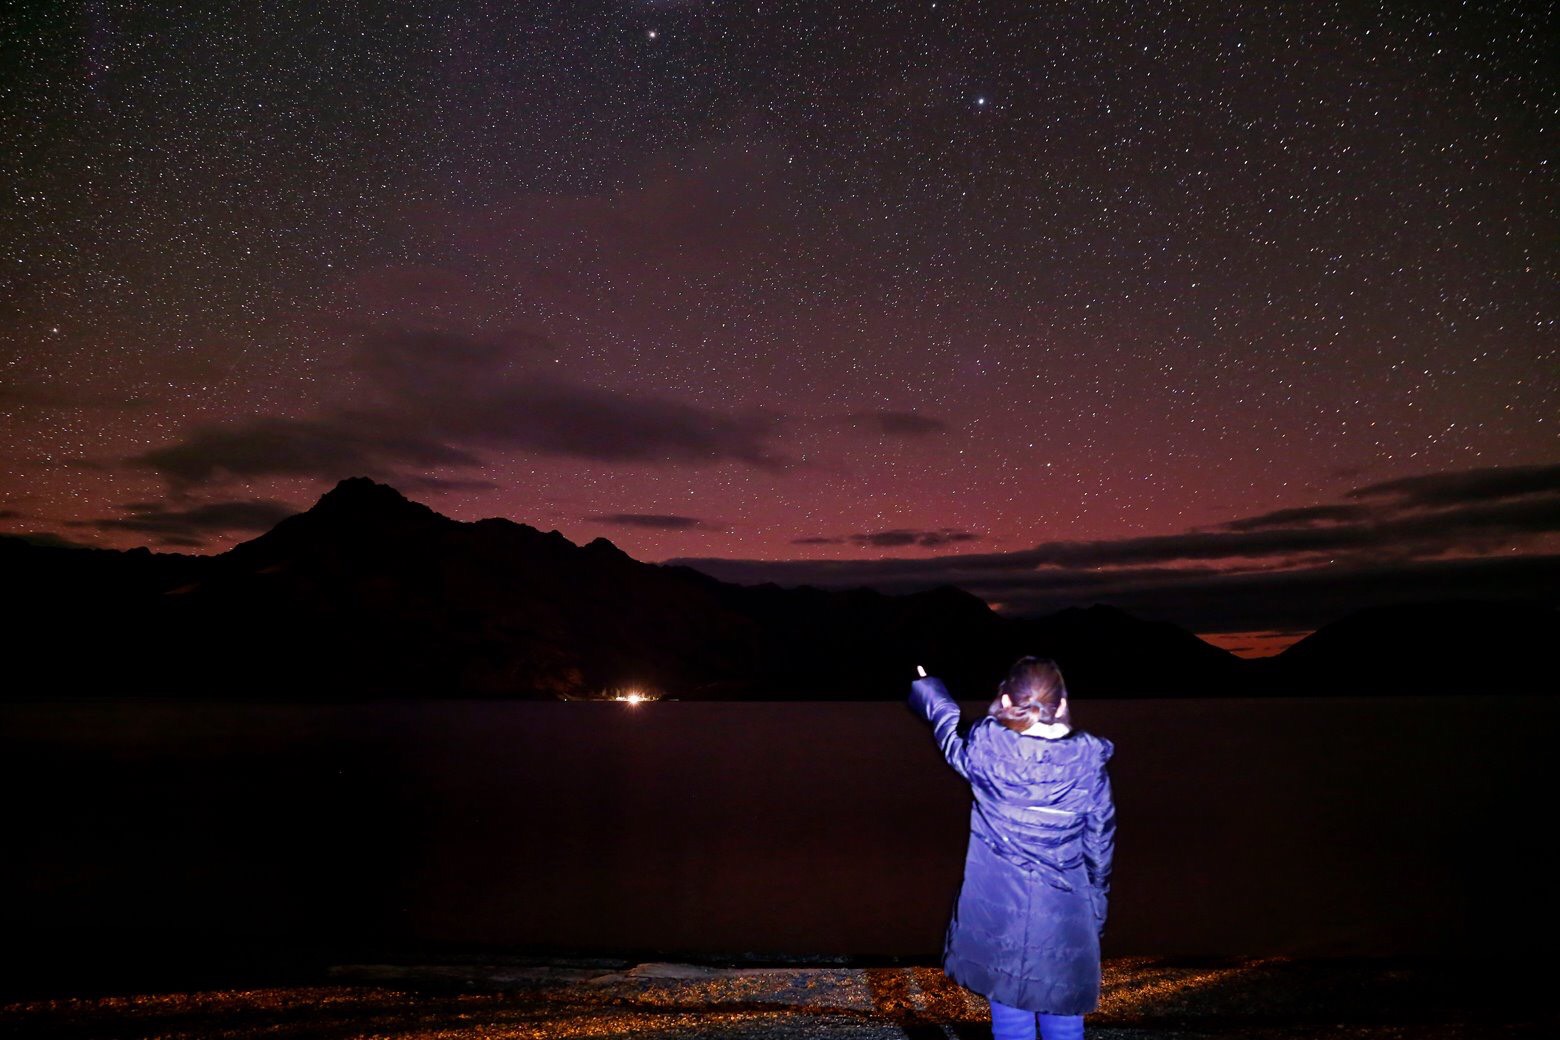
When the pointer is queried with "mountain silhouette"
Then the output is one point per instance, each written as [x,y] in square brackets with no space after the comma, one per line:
[368,594]
[1448,647]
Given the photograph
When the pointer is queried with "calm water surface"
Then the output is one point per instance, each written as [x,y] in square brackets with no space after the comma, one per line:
[1401,825]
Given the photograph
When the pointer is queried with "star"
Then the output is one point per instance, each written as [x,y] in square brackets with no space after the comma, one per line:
[1211,286]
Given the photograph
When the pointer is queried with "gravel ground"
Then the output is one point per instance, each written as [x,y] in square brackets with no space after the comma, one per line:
[1271,999]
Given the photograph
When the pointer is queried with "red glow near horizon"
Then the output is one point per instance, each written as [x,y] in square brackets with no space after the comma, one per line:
[660,284]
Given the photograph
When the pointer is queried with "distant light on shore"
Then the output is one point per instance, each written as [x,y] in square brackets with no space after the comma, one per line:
[633,695]
[620,695]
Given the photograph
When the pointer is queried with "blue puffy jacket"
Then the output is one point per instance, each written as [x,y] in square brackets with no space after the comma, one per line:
[1026,929]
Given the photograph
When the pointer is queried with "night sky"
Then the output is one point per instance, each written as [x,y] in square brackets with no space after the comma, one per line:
[1237,316]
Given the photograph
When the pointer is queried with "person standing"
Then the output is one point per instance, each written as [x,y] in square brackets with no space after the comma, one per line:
[1031,909]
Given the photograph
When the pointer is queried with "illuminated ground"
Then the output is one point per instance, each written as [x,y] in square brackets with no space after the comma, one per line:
[1142,999]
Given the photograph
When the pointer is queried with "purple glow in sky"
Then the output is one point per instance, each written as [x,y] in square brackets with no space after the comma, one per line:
[1235,316]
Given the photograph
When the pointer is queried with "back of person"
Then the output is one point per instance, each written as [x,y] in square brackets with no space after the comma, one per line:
[1026,928]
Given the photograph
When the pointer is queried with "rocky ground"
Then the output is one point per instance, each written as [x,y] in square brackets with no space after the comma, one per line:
[1270,999]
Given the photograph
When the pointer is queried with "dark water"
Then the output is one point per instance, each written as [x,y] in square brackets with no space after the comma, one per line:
[1396,826]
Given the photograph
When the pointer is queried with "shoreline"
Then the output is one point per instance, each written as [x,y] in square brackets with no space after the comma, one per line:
[1264,998]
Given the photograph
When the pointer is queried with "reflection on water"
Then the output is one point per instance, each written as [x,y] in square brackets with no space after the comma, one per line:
[1247,827]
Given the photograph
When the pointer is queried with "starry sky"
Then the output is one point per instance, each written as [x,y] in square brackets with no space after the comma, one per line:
[1238,316]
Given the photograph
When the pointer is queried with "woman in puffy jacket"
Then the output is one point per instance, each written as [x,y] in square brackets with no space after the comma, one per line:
[1026,929]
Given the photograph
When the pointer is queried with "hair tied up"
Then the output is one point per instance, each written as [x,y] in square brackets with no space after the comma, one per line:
[1036,693]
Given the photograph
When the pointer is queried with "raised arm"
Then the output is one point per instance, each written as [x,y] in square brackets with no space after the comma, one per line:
[929,699]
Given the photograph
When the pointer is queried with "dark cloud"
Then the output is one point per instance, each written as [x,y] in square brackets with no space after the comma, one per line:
[554,418]
[1426,503]
[898,424]
[186,527]
[49,539]
[1206,599]
[1305,598]
[887,539]
[435,398]
[1474,485]
[894,538]
[662,521]
[322,448]
[905,536]
[913,574]
[11,514]
[1302,515]
[1289,568]
[1420,534]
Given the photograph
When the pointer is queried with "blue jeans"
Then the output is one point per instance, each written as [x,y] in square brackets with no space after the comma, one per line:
[1011,1023]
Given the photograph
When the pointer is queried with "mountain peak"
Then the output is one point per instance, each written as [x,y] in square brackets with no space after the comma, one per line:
[604,547]
[363,495]
[356,511]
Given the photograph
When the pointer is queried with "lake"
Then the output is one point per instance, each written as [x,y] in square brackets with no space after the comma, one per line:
[1285,826]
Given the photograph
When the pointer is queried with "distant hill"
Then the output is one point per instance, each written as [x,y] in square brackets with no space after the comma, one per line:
[1449,647]
[368,594]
